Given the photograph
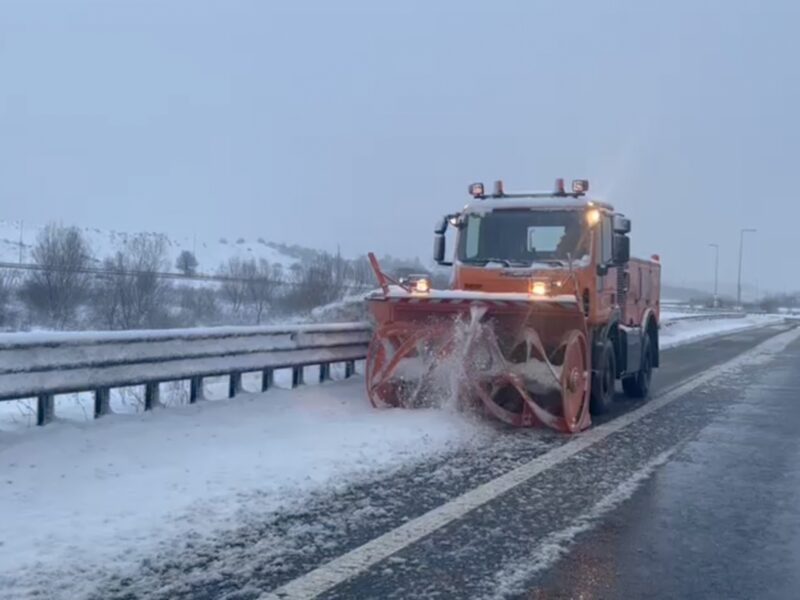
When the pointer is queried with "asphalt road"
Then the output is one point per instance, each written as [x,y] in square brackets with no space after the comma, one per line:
[692,494]
[719,520]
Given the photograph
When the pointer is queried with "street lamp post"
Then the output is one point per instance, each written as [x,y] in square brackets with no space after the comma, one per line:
[739,283]
[716,274]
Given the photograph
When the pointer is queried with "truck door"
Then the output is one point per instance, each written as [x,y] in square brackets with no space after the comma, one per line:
[606,284]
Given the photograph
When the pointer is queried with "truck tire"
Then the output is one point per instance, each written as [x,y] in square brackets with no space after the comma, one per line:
[638,385]
[603,381]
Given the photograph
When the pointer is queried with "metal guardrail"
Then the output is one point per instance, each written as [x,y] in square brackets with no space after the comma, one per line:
[701,317]
[43,365]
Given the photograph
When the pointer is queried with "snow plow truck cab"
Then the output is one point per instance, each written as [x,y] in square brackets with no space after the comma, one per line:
[546,310]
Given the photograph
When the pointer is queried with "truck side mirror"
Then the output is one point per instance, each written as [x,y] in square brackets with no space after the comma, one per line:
[439,248]
[441,226]
[621,224]
[622,249]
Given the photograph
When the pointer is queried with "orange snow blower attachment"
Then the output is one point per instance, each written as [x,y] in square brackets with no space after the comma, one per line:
[523,356]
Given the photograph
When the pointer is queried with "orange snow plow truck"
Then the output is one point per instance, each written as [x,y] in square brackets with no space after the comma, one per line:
[544,312]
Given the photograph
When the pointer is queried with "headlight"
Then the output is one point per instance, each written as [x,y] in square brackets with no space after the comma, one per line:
[539,288]
[417,284]
[422,286]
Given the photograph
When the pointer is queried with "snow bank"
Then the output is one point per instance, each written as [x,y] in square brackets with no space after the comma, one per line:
[350,308]
[78,497]
[670,314]
[677,333]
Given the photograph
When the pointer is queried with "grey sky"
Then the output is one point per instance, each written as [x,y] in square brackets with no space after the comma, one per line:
[358,124]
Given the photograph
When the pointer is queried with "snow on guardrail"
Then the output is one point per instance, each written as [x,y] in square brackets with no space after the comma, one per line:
[42,365]
[669,318]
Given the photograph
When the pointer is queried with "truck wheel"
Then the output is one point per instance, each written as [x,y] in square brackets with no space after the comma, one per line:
[638,385]
[603,381]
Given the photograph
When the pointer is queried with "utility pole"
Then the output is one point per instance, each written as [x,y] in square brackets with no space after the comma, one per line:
[21,225]
[739,282]
[716,274]
[339,269]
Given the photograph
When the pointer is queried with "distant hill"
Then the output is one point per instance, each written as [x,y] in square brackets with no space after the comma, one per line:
[210,254]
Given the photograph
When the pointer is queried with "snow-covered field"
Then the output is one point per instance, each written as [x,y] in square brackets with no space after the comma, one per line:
[211,254]
[81,495]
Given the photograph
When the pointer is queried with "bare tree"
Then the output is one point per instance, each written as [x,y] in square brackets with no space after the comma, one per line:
[7,285]
[131,294]
[186,263]
[317,282]
[262,280]
[104,299]
[198,306]
[58,289]
[234,289]
[362,273]
[251,286]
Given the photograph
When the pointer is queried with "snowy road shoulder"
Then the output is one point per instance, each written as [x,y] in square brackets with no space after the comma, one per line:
[78,495]
[676,333]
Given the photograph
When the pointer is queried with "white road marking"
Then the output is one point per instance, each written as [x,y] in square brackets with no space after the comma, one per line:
[360,559]
[511,580]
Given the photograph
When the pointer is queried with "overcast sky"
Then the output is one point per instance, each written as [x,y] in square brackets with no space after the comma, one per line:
[325,123]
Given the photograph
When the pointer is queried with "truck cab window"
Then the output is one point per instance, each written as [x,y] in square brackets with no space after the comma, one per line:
[472,233]
[606,241]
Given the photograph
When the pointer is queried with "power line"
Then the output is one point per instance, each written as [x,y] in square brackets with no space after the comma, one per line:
[159,274]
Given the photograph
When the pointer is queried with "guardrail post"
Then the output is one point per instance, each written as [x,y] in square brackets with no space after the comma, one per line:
[324,372]
[101,402]
[267,379]
[349,368]
[45,409]
[297,376]
[195,389]
[151,395]
[234,384]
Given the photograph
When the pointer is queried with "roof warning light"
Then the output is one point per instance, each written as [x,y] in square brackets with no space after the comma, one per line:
[580,186]
[476,190]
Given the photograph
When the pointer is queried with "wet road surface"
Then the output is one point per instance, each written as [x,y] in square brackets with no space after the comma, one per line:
[719,520]
[693,492]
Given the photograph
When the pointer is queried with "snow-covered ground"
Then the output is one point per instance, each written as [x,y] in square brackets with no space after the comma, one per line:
[676,332]
[210,253]
[80,495]
[670,312]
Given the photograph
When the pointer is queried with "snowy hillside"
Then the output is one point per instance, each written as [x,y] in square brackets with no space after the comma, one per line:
[210,253]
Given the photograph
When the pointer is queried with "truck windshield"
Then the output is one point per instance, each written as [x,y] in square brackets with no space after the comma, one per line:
[523,237]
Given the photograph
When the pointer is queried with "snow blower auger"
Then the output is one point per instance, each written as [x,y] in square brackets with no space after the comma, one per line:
[526,362]
[542,316]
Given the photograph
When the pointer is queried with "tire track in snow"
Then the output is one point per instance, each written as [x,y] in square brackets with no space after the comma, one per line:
[273,549]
